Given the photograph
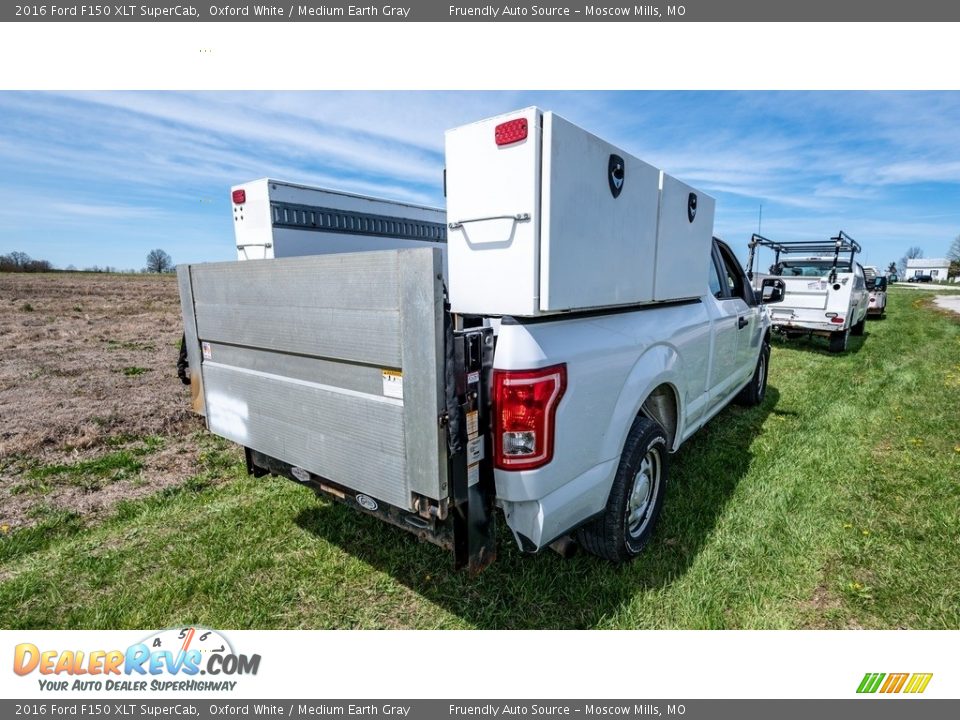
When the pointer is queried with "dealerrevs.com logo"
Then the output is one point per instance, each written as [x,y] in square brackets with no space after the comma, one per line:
[178,659]
[891,683]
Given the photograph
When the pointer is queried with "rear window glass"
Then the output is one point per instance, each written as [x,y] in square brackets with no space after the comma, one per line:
[807,268]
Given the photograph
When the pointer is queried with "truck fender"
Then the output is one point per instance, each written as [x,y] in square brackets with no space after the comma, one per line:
[659,365]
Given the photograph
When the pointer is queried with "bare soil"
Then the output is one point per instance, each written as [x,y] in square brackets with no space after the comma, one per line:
[88,371]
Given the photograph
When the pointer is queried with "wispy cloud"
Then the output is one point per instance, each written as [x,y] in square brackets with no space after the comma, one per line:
[112,212]
[118,172]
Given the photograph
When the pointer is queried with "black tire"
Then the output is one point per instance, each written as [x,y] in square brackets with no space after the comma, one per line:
[756,389]
[838,340]
[625,526]
[858,328]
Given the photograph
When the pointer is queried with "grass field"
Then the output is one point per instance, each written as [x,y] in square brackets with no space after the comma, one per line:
[836,504]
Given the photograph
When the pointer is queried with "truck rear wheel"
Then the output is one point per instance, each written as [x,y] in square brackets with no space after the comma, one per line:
[625,526]
[838,340]
[756,389]
[858,328]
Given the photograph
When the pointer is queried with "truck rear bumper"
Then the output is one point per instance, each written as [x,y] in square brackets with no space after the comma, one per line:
[818,328]
[466,529]
[537,523]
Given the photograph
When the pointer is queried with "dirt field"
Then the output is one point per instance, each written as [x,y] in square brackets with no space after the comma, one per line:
[92,410]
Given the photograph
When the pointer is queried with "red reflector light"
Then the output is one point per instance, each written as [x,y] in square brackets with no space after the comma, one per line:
[239,197]
[511,131]
[838,320]
[525,408]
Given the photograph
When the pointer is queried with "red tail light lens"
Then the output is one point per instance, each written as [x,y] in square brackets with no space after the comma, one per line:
[525,408]
[838,320]
[239,197]
[511,131]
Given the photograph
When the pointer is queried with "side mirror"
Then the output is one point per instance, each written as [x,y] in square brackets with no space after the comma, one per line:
[772,291]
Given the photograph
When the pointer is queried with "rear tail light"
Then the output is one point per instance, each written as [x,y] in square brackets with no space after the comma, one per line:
[511,131]
[525,408]
[239,197]
[838,320]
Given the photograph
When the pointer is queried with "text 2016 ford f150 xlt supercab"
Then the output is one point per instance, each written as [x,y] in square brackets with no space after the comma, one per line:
[542,349]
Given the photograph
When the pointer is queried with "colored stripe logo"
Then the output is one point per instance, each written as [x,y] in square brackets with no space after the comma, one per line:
[914,683]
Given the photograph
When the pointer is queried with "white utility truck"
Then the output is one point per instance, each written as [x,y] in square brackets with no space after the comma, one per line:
[877,291]
[585,325]
[825,294]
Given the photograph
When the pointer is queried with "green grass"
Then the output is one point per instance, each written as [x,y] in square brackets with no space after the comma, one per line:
[134,371]
[91,474]
[834,504]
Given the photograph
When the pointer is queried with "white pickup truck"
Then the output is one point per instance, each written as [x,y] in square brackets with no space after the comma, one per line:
[877,291]
[581,324]
[825,288]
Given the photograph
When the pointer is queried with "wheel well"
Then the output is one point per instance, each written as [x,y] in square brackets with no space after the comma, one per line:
[661,407]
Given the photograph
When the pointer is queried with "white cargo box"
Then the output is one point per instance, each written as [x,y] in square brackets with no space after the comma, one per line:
[272,218]
[684,239]
[545,217]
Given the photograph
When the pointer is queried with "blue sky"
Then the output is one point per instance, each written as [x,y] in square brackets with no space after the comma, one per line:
[103,177]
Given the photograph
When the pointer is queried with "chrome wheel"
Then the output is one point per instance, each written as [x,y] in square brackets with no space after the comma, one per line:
[646,484]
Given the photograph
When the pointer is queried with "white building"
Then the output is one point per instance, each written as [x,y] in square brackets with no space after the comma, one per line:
[936,268]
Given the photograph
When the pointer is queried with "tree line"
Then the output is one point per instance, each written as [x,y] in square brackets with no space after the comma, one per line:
[158,261]
[21,262]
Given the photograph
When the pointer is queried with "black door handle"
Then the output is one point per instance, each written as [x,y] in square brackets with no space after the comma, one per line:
[742,322]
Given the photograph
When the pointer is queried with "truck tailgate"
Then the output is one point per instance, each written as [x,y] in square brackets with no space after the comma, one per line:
[331,363]
[803,293]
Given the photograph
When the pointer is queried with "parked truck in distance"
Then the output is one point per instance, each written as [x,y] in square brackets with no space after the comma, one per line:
[825,288]
[876,291]
[544,367]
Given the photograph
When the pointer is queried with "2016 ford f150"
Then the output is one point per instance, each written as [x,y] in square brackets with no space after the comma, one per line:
[542,349]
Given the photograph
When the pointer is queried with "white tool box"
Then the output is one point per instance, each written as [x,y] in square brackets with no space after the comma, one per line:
[545,218]
[275,219]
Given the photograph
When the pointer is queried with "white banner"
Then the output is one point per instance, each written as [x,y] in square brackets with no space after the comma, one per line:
[185,662]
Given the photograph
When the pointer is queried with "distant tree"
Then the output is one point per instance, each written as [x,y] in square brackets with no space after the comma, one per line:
[912,253]
[21,262]
[71,268]
[38,266]
[21,259]
[954,269]
[954,252]
[158,261]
